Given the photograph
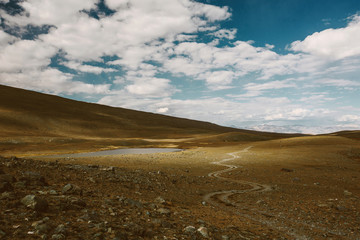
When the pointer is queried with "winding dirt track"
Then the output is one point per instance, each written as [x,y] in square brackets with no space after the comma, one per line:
[223,196]
[221,199]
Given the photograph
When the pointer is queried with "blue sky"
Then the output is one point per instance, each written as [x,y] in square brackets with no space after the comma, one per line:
[270,65]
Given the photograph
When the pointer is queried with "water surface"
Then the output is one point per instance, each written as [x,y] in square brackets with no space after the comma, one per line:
[118,152]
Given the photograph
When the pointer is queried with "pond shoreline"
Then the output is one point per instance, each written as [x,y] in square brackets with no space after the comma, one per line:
[121,151]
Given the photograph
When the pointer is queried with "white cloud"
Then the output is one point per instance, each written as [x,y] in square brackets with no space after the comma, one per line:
[117,4]
[5,38]
[316,99]
[332,43]
[49,12]
[218,80]
[51,81]
[225,33]
[269,85]
[154,41]
[86,68]
[349,118]
[212,13]
[151,87]
[162,110]
[337,82]
[25,54]
[257,89]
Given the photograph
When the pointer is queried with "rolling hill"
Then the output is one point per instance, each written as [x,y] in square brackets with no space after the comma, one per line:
[28,117]
[28,113]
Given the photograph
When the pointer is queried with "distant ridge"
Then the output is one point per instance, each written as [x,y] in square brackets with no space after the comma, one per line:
[29,113]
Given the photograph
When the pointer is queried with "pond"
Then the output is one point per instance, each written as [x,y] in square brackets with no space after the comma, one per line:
[117,152]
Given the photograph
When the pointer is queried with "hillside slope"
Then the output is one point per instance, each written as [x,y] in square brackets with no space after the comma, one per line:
[30,113]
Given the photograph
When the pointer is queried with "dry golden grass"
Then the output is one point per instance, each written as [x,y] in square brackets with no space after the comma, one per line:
[32,122]
[314,180]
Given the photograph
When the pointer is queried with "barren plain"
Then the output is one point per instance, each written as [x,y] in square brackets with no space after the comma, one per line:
[227,184]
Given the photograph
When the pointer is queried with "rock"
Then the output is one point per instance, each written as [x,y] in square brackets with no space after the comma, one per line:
[91,216]
[203,231]
[42,228]
[44,236]
[33,178]
[36,203]
[341,208]
[189,230]
[71,189]
[78,202]
[60,229]
[98,236]
[91,180]
[160,200]
[322,205]
[164,211]
[133,203]
[286,170]
[7,196]
[71,203]
[347,193]
[58,236]
[52,192]
[296,179]
[2,234]
[108,169]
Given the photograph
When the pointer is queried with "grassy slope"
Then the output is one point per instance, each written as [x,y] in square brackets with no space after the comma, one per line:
[25,112]
[28,113]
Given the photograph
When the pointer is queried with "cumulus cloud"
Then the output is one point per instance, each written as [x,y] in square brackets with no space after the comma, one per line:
[6,38]
[225,33]
[51,81]
[349,118]
[332,43]
[25,54]
[162,110]
[151,87]
[218,80]
[78,66]
[146,47]
[49,12]
[132,33]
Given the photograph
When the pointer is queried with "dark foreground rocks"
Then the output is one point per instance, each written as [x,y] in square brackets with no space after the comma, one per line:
[49,200]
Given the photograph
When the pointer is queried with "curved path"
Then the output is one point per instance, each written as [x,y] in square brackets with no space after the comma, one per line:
[223,196]
[221,199]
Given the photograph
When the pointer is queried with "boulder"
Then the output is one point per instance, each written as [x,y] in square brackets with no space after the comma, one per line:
[35,202]
[71,189]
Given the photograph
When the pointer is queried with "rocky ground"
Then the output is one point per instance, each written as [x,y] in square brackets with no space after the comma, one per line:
[312,192]
[51,200]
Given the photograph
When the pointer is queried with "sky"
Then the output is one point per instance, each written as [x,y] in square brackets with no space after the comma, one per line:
[269,65]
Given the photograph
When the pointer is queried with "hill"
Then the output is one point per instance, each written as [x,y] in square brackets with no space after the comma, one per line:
[37,118]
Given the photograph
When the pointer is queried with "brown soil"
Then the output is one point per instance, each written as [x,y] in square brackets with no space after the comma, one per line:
[228,184]
[308,189]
